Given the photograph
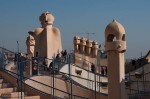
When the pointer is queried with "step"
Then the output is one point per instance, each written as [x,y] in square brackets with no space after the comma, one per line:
[1,81]
[27,97]
[5,85]
[6,90]
[16,94]
[12,95]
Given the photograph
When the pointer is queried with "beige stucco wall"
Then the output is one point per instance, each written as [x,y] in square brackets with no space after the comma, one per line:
[85,61]
[87,75]
[62,85]
[30,91]
[48,81]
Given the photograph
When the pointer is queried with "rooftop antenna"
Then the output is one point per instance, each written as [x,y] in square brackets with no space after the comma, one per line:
[18,46]
[77,33]
[88,34]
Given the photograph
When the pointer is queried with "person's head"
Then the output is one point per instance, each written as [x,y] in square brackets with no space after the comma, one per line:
[19,54]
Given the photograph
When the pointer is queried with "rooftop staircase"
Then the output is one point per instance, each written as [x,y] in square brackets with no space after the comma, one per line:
[8,91]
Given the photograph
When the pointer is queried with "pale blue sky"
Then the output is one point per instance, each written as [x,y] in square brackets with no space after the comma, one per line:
[17,17]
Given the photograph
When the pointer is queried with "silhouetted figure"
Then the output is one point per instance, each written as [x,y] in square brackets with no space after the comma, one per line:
[102,70]
[51,65]
[34,66]
[62,58]
[15,59]
[65,56]
[106,70]
[58,61]
[36,54]
[65,53]
[62,53]
[139,62]
[57,56]
[93,68]
[45,63]
[134,64]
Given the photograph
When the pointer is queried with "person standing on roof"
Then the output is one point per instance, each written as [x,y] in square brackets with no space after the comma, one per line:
[93,68]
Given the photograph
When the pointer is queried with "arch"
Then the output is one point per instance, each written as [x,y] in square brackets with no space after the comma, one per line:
[111,38]
[123,37]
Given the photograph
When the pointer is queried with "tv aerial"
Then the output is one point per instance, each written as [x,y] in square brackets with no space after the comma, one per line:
[88,34]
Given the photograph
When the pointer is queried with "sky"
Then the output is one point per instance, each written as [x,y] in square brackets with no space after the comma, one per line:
[77,17]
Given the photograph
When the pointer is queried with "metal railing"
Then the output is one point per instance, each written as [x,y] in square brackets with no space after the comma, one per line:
[53,71]
[21,78]
[139,83]
[69,75]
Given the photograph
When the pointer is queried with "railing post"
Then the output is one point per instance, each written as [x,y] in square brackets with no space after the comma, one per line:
[69,65]
[53,69]
[21,74]
[95,82]
[138,85]
[143,78]
[3,58]
[130,82]
[38,61]
[69,60]
[99,84]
